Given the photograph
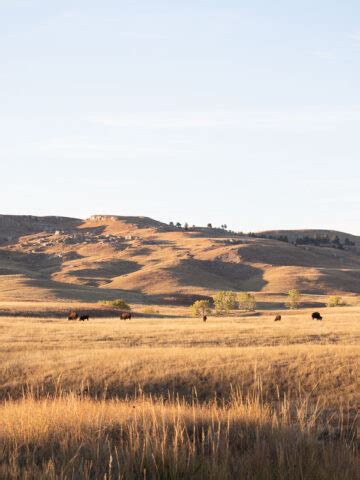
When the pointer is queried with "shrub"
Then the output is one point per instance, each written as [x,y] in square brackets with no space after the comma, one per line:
[118,303]
[150,311]
[225,301]
[200,308]
[294,297]
[246,301]
[336,301]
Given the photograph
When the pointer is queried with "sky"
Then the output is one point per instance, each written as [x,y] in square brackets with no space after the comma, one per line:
[238,112]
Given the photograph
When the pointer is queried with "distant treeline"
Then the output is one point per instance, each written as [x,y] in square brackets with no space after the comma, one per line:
[317,240]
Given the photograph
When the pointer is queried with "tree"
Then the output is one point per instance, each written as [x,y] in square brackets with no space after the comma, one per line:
[200,308]
[186,226]
[119,303]
[209,225]
[294,297]
[336,240]
[336,301]
[348,242]
[246,301]
[178,225]
[225,301]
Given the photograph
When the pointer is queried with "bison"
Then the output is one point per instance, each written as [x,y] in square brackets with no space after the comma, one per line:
[84,317]
[277,318]
[204,318]
[73,316]
[125,316]
[316,316]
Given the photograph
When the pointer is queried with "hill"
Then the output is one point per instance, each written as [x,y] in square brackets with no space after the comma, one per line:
[319,234]
[146,261]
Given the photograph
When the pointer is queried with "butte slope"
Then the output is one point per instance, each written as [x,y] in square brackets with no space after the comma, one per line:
[140,260]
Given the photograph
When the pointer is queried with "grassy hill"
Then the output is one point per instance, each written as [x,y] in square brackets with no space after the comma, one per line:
[143,260]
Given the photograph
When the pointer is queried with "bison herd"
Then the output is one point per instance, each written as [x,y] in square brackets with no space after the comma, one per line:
[314,316]
[127,316]
[75,316]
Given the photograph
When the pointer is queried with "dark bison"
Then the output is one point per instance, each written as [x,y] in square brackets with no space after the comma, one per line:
[316,316]
[277,318]
[73,316]
[125,316]
[84,317]
[204,318]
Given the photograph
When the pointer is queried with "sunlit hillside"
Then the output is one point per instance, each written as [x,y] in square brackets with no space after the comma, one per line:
[143,260]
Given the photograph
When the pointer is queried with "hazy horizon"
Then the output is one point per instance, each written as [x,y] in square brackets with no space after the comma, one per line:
[243,113]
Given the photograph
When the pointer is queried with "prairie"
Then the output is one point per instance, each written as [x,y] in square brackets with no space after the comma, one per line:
[168,396]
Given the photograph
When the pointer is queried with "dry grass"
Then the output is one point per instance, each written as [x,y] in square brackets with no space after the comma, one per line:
[239,397]
[79,438]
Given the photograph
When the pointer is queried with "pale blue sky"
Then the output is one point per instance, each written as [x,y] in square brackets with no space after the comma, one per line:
[243,112]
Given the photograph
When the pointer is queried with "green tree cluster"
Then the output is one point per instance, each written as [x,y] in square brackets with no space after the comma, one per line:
[118,303]
[200,308]
[294,298]
[336,301]
[246,301]
[225,301]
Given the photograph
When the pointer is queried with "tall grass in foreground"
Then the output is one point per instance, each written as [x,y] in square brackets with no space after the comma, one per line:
[71,437]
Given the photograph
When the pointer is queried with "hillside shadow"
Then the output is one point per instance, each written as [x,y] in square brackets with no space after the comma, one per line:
[33,264]
[280,254]
[88,293]
[215,275]
[179,299]
[81,293]
[262,305]
[346,280]
[141,252]
[113,268]
[158,242]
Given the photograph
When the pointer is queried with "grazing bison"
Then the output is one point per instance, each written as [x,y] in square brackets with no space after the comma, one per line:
[84,317]
[204,318]
[73,316]
[277,318]
[125,316]
[316,316]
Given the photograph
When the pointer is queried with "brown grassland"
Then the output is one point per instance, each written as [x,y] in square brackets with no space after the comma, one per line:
[168,396]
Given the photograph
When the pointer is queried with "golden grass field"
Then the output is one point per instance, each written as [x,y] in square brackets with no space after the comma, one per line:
[168,396]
